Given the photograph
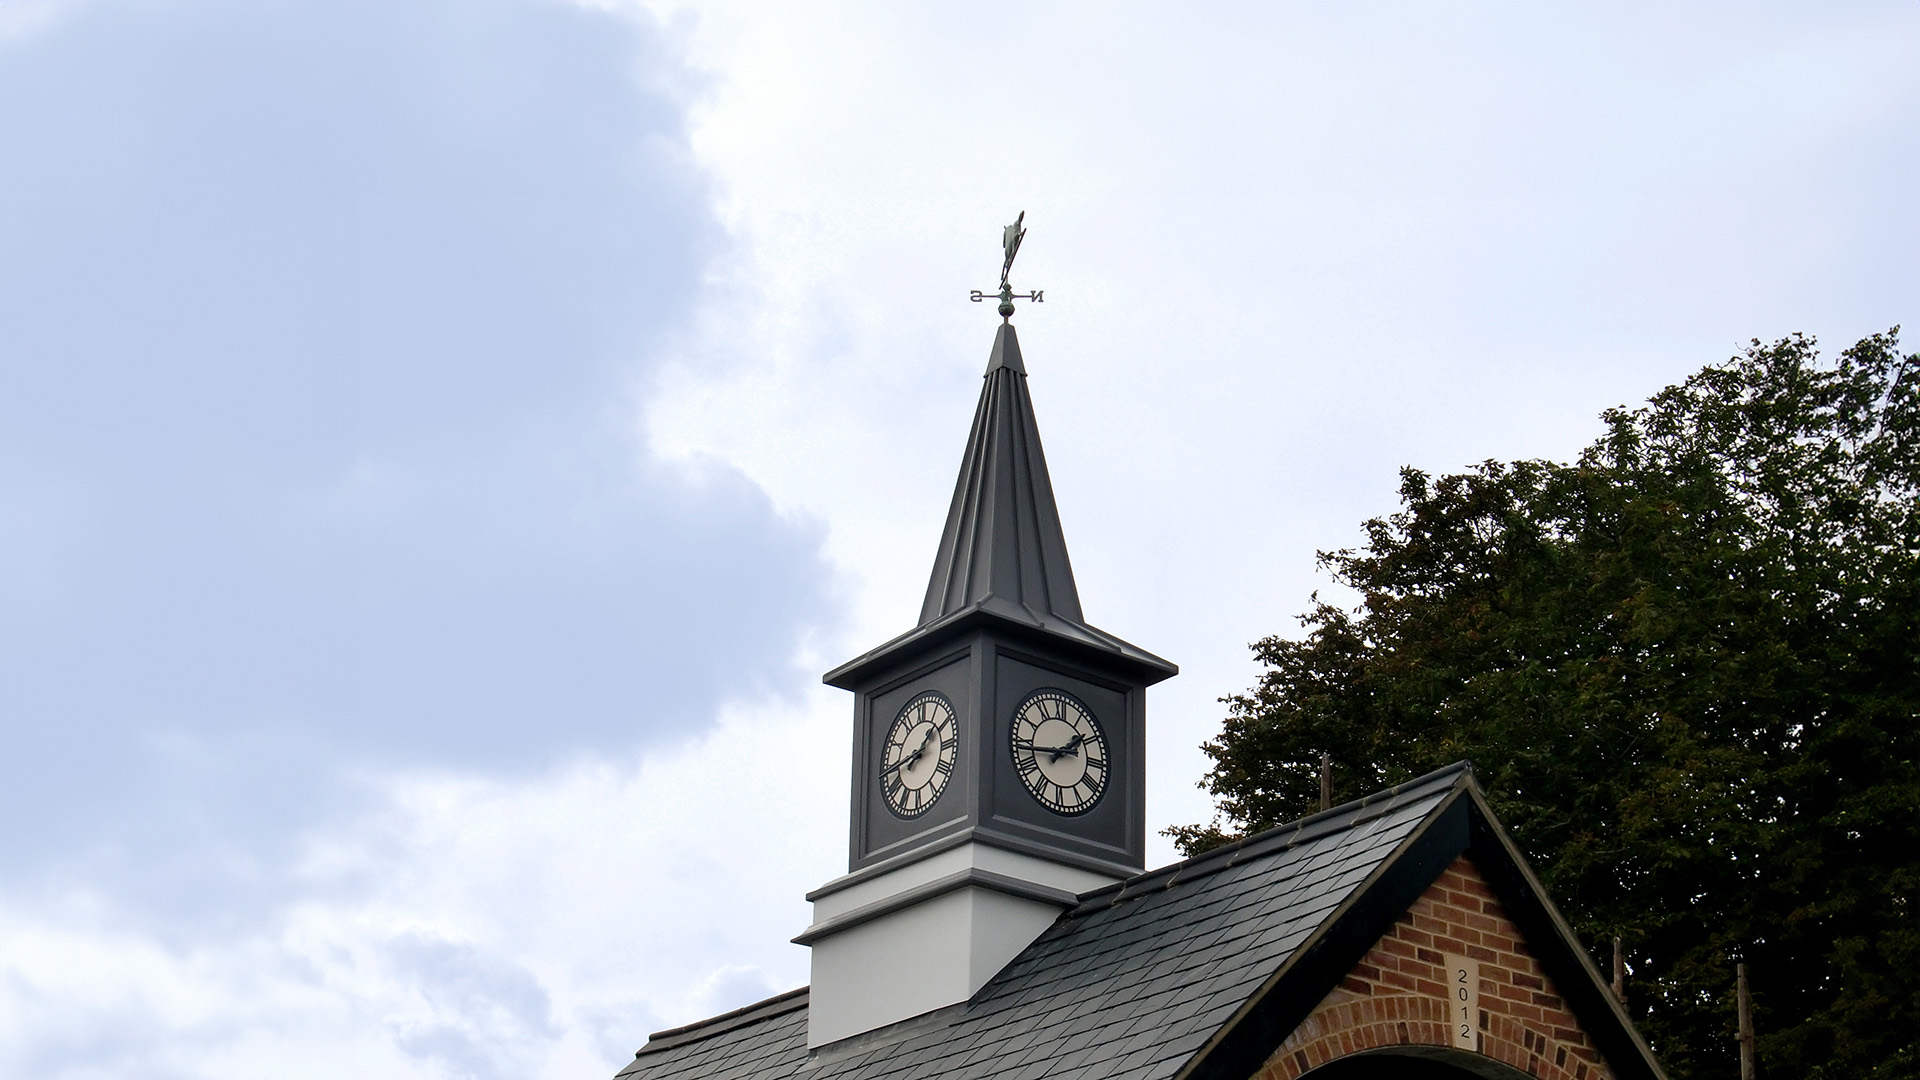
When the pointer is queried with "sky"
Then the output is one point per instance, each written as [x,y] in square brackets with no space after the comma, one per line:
[443,442]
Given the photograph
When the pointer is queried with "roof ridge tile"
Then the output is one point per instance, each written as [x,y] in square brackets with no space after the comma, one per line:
[1362,811]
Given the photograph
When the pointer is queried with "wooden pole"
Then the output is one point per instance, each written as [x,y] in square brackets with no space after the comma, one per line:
[1746,1023]
[1326,781]
[1619,972]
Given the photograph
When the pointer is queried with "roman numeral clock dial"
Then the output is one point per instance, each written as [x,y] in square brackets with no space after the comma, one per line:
[917,761]
[1060,752]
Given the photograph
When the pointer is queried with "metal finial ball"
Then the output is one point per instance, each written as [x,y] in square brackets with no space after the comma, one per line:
[1006,309]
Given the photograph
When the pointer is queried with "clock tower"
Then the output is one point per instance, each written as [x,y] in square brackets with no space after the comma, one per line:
[998,746]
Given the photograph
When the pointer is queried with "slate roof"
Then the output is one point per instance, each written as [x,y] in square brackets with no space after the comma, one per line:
[1195,970]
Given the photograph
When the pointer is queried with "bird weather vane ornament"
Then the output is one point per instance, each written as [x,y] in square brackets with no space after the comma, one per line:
[1010,238]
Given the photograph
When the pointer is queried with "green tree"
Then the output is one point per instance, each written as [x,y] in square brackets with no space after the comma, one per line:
[1687,670]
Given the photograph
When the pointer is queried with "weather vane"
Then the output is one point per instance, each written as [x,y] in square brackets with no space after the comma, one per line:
[1010,239]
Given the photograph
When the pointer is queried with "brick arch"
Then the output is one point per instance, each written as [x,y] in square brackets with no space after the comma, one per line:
[1369,1024]
[1395,997]
[1416,1063]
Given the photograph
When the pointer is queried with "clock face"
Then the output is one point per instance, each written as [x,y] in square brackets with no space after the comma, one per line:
[918,759]
[1060,752]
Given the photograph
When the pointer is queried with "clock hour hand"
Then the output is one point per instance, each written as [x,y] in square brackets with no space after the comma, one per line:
[1072,747]
[925,744]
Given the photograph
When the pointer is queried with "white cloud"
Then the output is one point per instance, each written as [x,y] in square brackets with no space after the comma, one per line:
[24,18]
[466,927]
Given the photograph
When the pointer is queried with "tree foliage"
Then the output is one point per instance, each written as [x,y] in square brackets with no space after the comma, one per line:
[1687,670]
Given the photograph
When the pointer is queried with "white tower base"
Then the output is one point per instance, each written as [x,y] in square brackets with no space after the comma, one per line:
[891,946]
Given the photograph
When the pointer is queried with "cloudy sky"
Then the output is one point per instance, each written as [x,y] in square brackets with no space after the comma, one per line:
[443,441]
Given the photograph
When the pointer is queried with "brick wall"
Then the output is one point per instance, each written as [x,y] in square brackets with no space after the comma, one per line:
[1397,995]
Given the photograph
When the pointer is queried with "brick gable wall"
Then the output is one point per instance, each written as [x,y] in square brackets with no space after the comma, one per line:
[1398,994]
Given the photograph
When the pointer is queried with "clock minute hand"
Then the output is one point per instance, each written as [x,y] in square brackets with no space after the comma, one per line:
[913,757]
[1072,747]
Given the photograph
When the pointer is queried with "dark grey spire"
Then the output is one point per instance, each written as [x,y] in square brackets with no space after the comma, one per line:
[1003,557]
[1003,539]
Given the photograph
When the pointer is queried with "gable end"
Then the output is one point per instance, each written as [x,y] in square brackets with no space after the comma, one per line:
[1398,997]
[1243,1044]
[1462,825]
